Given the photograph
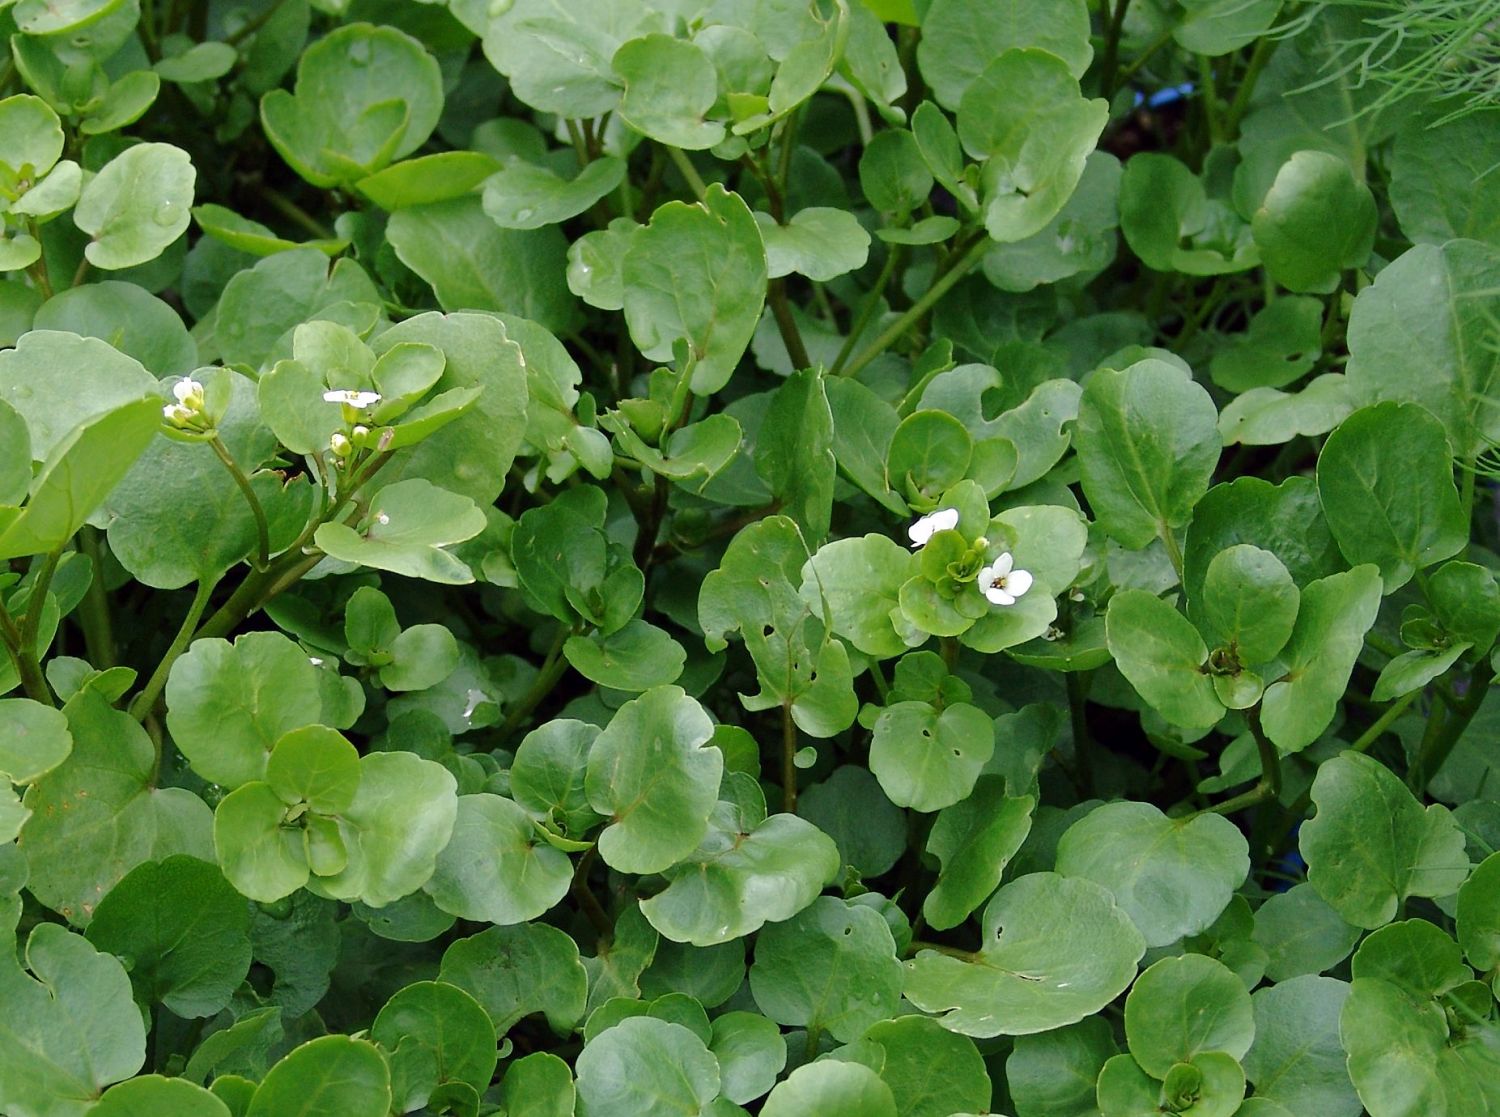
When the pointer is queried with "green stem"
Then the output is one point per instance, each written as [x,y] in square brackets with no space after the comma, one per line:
[1445,729]
[590,904]
[1264,48]
[141,705]
[689,172]
[1210,99]
[1110,61]
[1078,693]
[1268,787]
[254,25]
[917,945]
[553,668]
[1174,552]
[788,760]
[31,626]
[293,212]
[868,307]
[28,667]
[914,314]
[93,611]
[791,336]
[1145,56]
[262,531]
[1384,721]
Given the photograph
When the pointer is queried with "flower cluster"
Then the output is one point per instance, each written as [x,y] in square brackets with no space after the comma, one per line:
[999,581]
[355,404]
[187,412]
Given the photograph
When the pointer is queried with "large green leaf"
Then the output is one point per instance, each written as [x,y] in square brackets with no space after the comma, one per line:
[961,37]
[1371,844]
[1427,310]
[1296,1059]
[1148,441]
[1054,950]
[185,931]
[515,971]
[330,1074]
[973,841]
[832,967]
[697,272]
[1172,876]
[650,773]
[136,205]
[1181,1007]
[434,1033]
[644,1065]
[70,1026]
[99,814]
[494,868]
[1439,188]
[1385,480]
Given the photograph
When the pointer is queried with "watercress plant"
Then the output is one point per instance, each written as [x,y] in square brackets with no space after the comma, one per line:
[869,558]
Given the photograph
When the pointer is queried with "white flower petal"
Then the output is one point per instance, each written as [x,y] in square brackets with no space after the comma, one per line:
[1002,565]
[352,398]
[998,596]
[944,519]
[1018,582]
[186,388]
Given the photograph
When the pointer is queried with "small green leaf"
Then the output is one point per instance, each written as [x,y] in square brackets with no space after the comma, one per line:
[1052,1074]
[523,195]
[931,1071]
[434,1033]
[1249,603]
[926,758]
[1315,194]
[151,1094]
[959,39]
[405,531]
[1181,1007]
[34,739]
[516,971]
[496,868]
[1162,655]
[347,1076]
[670,86]
[1297,1059]
[136,205]
[818,242]
[973,841]
[643,1063]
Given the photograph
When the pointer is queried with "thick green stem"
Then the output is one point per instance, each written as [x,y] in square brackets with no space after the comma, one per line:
[262,531]
[689,172]
[1268,787]
[1110,60]
[1264,48]
[1446,727]
[791,336]
[141,705]
[913,315]
[893,257]
[93,611]
[553,668]
[33,682]
[36,605]
[1384,721]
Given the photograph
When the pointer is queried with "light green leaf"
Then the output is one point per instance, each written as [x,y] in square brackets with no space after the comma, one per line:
[644,1065]
[931,1071]
[1297,1060]
[538,1085]
[1181,1007]
[1148,442]
[58,381]
[136,205]
[1163,205]
[547,776]
[635,658]
[1249,603]
[1172,876]
[794,452]
[330,1074]
[833,966]
[1162,655]
[434,1033]
[1301,934]
[34,739]
[228,705]
[1427,310]
[151,1094]
[860,579]
[736,881]
[818,242]
[1371,844]
[405,531]
[1054,950]
[670,86]
[558,59]
[69,1030]
[523,195]
[98,814]
[1439,188]
[495,868]
[869,830]
[516,971]
[697,272]
[926,758]
[427,178]
[1266,417]
[973,841]
[264,859]
[961,37]
[1217,27]
[1332,620]
[1315,194]
[1280,345]
[831,1089]
[650,773]
[1385,481]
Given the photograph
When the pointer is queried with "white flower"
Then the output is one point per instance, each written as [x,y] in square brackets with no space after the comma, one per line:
[357,400]
[1002,584]
[382,519]
[178,414]
[944,519]
[340,445]
[189,393]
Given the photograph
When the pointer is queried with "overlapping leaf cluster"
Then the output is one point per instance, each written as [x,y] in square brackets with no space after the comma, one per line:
[869,558]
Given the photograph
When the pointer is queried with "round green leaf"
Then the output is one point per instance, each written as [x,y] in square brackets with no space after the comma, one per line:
[515,971]
[1301,933]
[496,868]
[1413,955]
[185,931]
[69,1030]
[136,205]
[1479,915]
[1163,656]
[1054,950]
[1371,844]
[1148,442]
[331,1074]
[538,1085]
[1052,1074]
[406,530]
[1163,204]
[737,881]
[959,39]
[634,658]
[422,656]
[650,773]
[1172,876]
[833,967]
[1296,1059]
[99,813]
[151,1095]
[670,85]
[643,1065]
[1385,481]
[547,776]
[1249,603]
[928,759]
[931,1071]
[34,739]
[751,1053]
[261,857]
[434,1033]
[228,704]
[831,1089]
[892,174]
[869,830]
[819,242]
[1181,1007]
[1316,221]
[128,317]
[974,840]
[523,195]
[57,381]
[860,581]
[314,765]
[33,134]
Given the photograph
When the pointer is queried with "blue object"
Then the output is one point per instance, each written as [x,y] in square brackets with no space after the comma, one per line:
[1167,96]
